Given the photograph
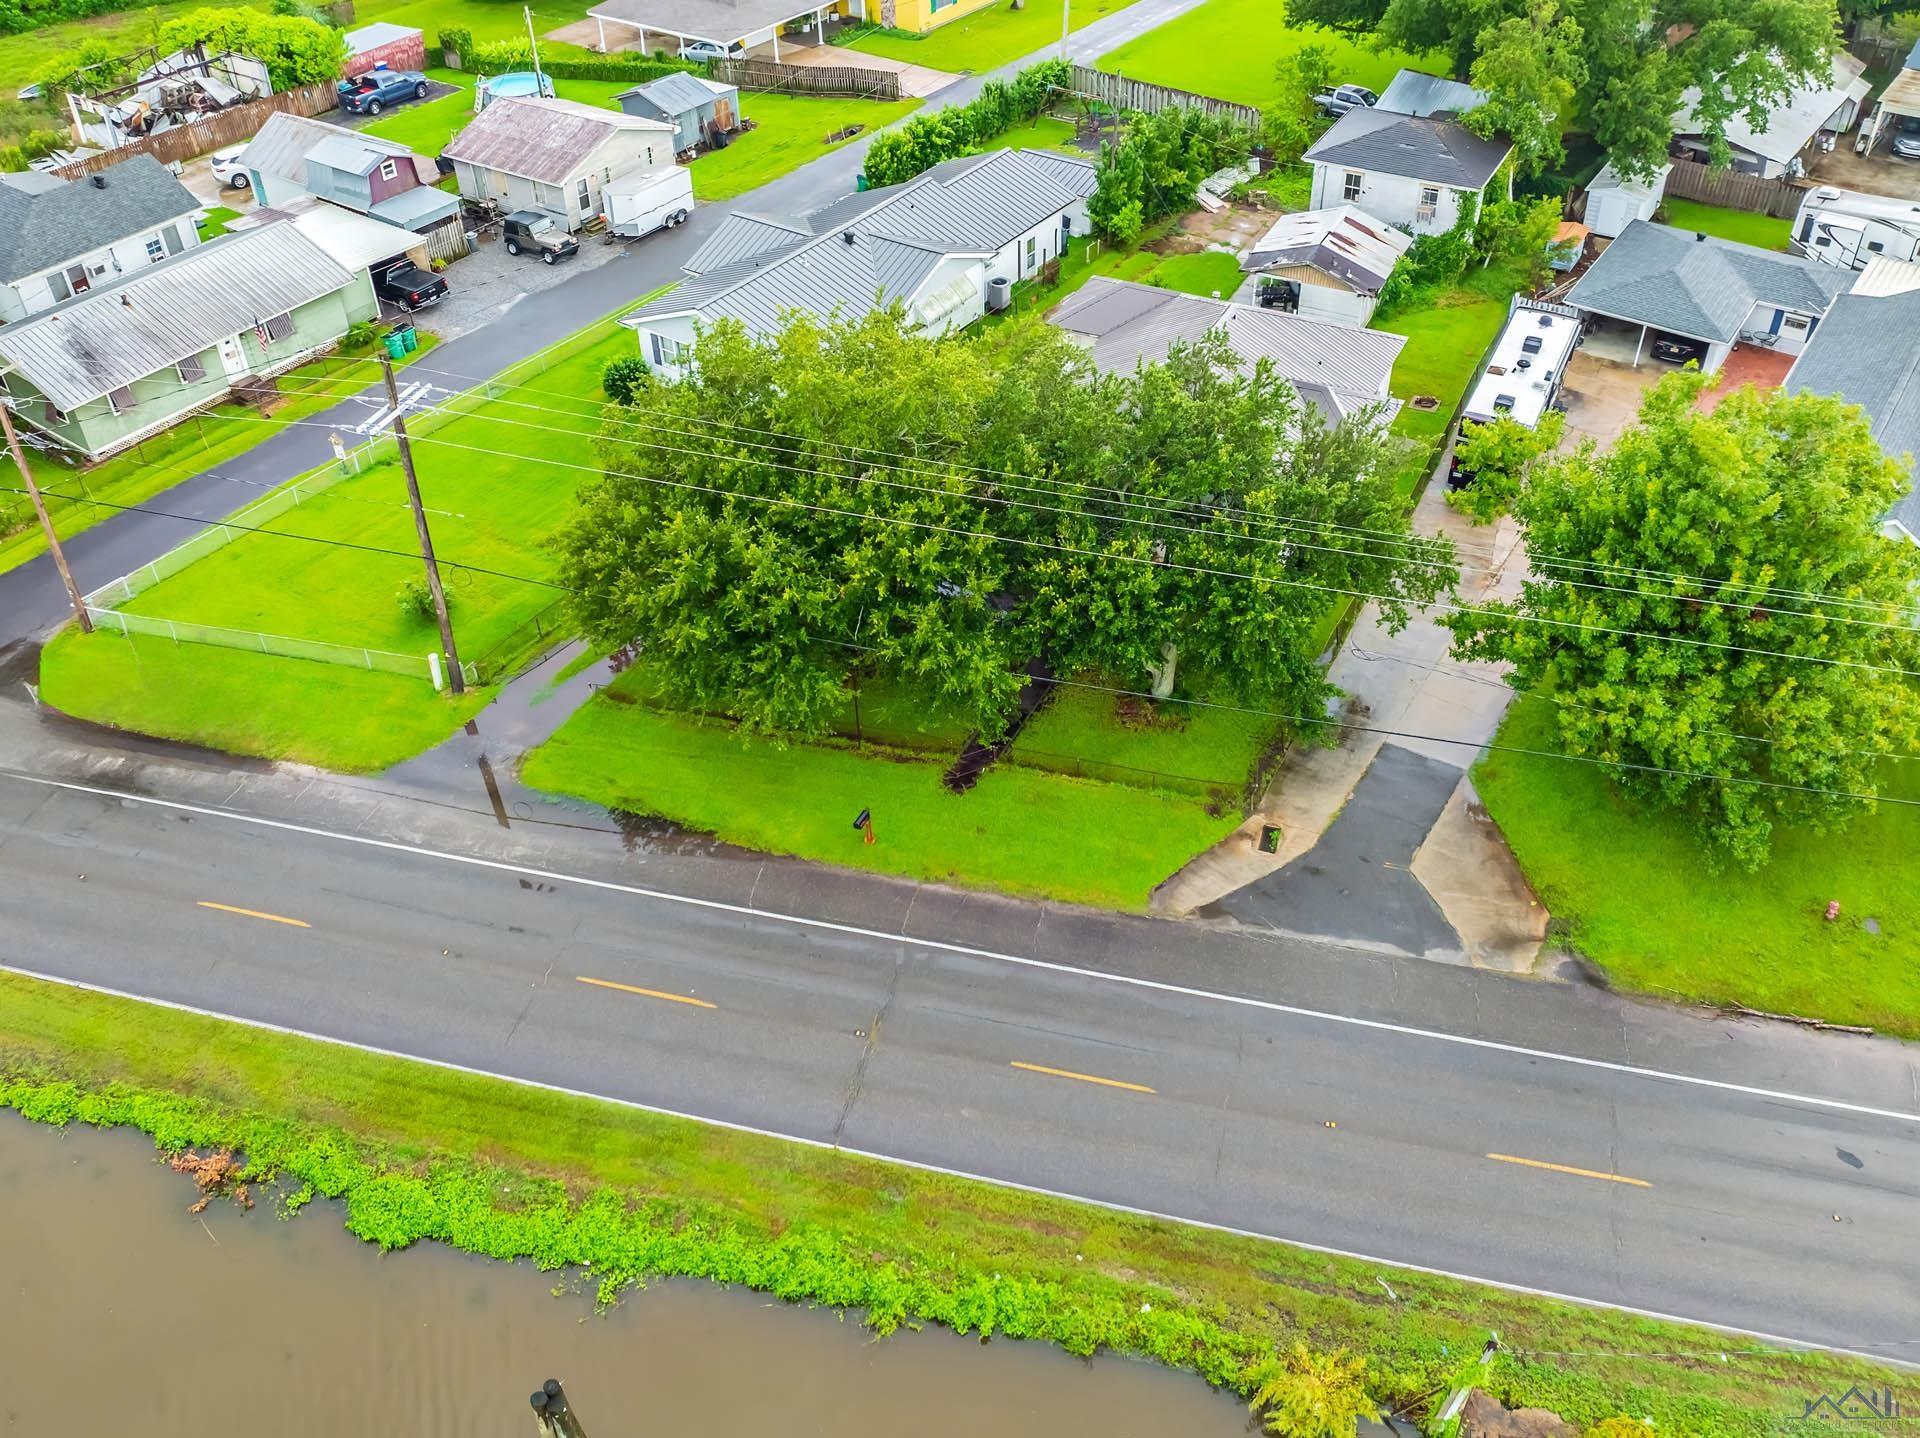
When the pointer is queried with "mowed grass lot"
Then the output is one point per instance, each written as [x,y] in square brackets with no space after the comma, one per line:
[426,127]
[986,39]
[789,130]
[78,499]
[1229,49]
[1633,892]
[488,507]
[1020,830]
[1763,231]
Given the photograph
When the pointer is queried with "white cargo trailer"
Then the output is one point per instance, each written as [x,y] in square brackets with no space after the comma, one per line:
[652,200]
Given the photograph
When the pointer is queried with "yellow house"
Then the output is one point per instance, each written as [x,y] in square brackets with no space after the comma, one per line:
[921,16]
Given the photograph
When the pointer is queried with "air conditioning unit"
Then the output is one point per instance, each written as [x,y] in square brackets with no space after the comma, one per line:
[999,294]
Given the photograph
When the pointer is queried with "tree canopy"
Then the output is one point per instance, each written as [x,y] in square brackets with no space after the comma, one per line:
[1714,611]
[843,499]
[1620,67]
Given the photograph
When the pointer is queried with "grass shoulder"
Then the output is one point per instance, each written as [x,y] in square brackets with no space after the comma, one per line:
[413,1152]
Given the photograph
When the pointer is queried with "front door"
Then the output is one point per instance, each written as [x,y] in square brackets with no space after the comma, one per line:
[233,359]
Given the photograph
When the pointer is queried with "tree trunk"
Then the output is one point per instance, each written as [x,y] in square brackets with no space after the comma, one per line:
[1163,672]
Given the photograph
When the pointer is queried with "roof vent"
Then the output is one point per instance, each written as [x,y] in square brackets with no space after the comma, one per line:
[1699,236]
[847,235]
[99,182]
[1523,363]
[1502,403]
[1531,344]
[1546,322]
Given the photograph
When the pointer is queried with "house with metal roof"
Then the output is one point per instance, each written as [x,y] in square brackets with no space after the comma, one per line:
[292,156]
[737,26]
[60,238]
[532,153]
[1341,370]
[1322,264]
[1777,146]
[701,111]
[1655,280]
[944,246]
[1410,170]
[1867,351]
[1414,92]
[125,360]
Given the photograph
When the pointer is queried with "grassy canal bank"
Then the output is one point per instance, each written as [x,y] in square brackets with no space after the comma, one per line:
[416,1152]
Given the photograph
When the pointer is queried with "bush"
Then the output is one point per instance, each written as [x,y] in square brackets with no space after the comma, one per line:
[455,40]
[33,145]
[1620,1427]
[297,52]
[1311,1395]
[494,57]
[897,155]
[1158,164]
[360,335]
[416,598]
[624,378]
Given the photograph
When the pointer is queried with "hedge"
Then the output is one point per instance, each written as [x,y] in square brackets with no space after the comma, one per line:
[17,16]
[924,141]
[495,57]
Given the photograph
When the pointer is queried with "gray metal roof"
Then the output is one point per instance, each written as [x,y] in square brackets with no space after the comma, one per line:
[1414,92]
[286,142]
[1441,152]
[872,247]
[418,208]
[540,139]
[1699,286]
[380,32]
[115,334]
[45,220]
[1342,241]
[677,93]
[1790,122]
[1867,351]
[1337,367]
[722,21]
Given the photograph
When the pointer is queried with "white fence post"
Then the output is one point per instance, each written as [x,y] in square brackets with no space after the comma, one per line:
[433,671]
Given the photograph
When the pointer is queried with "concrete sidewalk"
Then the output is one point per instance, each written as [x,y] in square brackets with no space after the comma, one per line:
[1386,815]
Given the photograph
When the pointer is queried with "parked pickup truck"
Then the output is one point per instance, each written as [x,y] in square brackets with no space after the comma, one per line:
[372,92]
[535,232]
[1342,98]
[403,283]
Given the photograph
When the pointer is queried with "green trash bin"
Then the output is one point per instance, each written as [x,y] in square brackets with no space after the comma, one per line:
[396,347]
[410,338]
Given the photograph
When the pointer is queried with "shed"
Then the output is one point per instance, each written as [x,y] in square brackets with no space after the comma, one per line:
[1614,202]
[698,109]
[398,47]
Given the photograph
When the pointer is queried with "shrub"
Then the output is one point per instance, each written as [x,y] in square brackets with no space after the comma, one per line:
[33,145]
[897,155]
[1311,1395]
[1158,164]
[624,378]
[456,41]
[494,57]
[296,51]
[17,16]
[416,598]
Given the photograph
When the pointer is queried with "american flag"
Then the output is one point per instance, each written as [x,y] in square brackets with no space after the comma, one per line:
[260,333]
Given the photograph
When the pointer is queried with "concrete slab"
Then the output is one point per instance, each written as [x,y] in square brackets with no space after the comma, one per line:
[1465,864]
[1881,173]
[489,282]
[1602,395]
[917,81]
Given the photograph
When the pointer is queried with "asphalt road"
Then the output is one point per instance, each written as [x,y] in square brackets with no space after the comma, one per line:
[32,600]
[1720,1175]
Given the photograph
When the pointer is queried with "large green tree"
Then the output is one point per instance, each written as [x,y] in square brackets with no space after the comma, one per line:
[1714,611]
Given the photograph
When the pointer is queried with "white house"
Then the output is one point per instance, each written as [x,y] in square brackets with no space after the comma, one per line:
[1322,264]
[553,155]
[1341,370]
[1662,281]
[935,245]
[59,238]
[1844,227]
[1831,105]
[1409,170]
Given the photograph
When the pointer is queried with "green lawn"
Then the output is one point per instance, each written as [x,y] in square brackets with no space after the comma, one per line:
[1042,133]
[1748,229]
[1445,339]
[197,444]
[1632,892]
[214,222]
[986,39]
[1199,273]
[1181,749]
[1019,830]
[420,1153]
[426,128]
[789,131]
[1229,49]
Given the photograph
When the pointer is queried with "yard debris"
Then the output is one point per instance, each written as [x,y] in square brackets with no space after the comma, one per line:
[213,1174]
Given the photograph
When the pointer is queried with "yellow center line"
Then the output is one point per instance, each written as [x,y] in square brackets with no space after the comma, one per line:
[645,993]
[255,914]
[1563,1168]
[1083,1078]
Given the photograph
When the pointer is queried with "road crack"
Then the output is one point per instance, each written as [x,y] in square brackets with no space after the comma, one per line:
[858,1082]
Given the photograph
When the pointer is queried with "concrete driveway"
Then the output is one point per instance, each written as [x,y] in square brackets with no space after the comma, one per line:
[1602,395]
[488,283]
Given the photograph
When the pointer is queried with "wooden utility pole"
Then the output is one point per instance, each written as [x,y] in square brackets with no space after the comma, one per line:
[46,522]
[455,680]
[553,1413]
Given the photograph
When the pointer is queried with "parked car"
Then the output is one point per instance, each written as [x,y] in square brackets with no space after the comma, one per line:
[1906,140]
[538,233]
[228,170]
[403,283]
[1342,98]
[1675,349]
[372,92]
[709,50]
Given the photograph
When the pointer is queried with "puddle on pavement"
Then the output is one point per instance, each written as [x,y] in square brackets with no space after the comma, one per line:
[124,1313]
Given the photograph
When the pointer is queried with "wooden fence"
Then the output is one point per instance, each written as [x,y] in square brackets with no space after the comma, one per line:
[1124,94]
[229,127]
[768,75]
[1688,180]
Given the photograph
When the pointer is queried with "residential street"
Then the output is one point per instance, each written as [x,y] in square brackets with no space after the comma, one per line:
[1298,1089]
[31,598]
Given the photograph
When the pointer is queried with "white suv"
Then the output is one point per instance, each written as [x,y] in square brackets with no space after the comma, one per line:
[228,170]
[710,50]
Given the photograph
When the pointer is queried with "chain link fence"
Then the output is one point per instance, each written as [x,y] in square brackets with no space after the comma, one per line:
[385,661]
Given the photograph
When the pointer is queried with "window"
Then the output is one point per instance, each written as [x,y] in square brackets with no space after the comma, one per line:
[192,369]
[1429,202]
[668,351]
[550,197]
[156,250]
[583,192]
[389,170]
[55,414]
[1026,262]
[1350,190]
[279,327]
[120,400]
[1875,246]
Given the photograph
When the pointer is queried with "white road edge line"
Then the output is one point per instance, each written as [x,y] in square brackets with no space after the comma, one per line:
[1775,1339]
[1153,985]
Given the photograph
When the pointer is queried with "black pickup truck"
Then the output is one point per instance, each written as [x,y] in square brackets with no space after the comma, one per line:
[405,284]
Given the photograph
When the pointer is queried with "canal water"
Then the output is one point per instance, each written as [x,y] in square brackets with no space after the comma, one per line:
[121,1312]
